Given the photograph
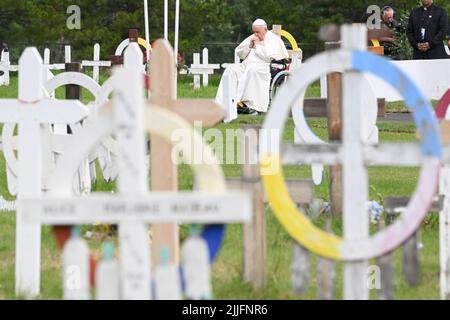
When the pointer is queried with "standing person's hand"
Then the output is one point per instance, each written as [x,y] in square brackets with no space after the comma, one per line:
[449,43]
[424,47]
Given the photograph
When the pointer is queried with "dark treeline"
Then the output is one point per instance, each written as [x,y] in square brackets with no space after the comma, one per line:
[43,22]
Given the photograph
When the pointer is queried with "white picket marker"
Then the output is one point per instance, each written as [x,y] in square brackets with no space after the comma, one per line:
[167,278]
[237,60]
[129,112]
[67,54]
[96,63]
[75,263]
[196,267]
[204,69]
[107,275]
[30,111]
[48,75]
[6,67]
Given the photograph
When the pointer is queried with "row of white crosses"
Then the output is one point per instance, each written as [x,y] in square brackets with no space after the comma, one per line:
[106,153]
[202,69]
[132,207]
[96,63]
[30,111]
[6,68]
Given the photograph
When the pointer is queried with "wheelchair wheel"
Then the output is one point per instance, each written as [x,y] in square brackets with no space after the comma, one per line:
[277,82]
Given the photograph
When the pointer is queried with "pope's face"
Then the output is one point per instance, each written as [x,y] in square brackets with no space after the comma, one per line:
[260,32]
[388,16]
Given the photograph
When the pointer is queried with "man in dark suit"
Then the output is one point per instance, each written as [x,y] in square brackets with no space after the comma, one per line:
[426,31]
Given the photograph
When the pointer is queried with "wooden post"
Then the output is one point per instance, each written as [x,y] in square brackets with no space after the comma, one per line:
[133,36]
[164,175]
[334,111]
[411,261]
[254,233]
[73,91]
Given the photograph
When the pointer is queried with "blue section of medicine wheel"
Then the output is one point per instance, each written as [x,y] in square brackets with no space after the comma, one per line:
[213,235]
[415,100]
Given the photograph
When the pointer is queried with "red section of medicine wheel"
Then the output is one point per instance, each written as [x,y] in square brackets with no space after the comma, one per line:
[442,106]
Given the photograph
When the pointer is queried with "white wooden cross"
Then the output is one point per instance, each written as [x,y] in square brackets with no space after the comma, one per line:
[204,68]
[133,207]
[237,60]
[58,66]
[96,63]
[356,247]
[29,111]
[6,68]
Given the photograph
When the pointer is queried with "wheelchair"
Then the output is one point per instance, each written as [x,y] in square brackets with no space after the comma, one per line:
[279,72]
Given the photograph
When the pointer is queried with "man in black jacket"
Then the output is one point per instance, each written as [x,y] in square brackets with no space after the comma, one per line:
[426,31]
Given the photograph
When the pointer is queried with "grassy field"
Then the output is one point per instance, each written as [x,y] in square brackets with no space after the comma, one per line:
[227,271]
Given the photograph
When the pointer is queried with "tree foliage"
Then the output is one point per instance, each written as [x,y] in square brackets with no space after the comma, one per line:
[43,22]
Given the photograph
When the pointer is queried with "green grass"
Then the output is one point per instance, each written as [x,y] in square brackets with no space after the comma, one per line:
[227,271]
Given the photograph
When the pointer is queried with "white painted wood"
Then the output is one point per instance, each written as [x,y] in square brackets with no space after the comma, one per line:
[46,56]
[30,111]
[237,60]
[75,257]
[196,76]
[107,275]
[167,278]
[355,180]
[67,54]
[6,67]
[196,269]
[129,115]
[58,136]
[204,69]
[323,86]
[206,62]
[161,207]
[96,63]
[48,75]
[166,20]
[28,238]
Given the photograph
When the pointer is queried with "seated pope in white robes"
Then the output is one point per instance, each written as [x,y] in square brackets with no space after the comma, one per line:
[249,82]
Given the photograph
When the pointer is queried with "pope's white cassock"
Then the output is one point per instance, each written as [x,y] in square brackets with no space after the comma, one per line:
[249,81]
